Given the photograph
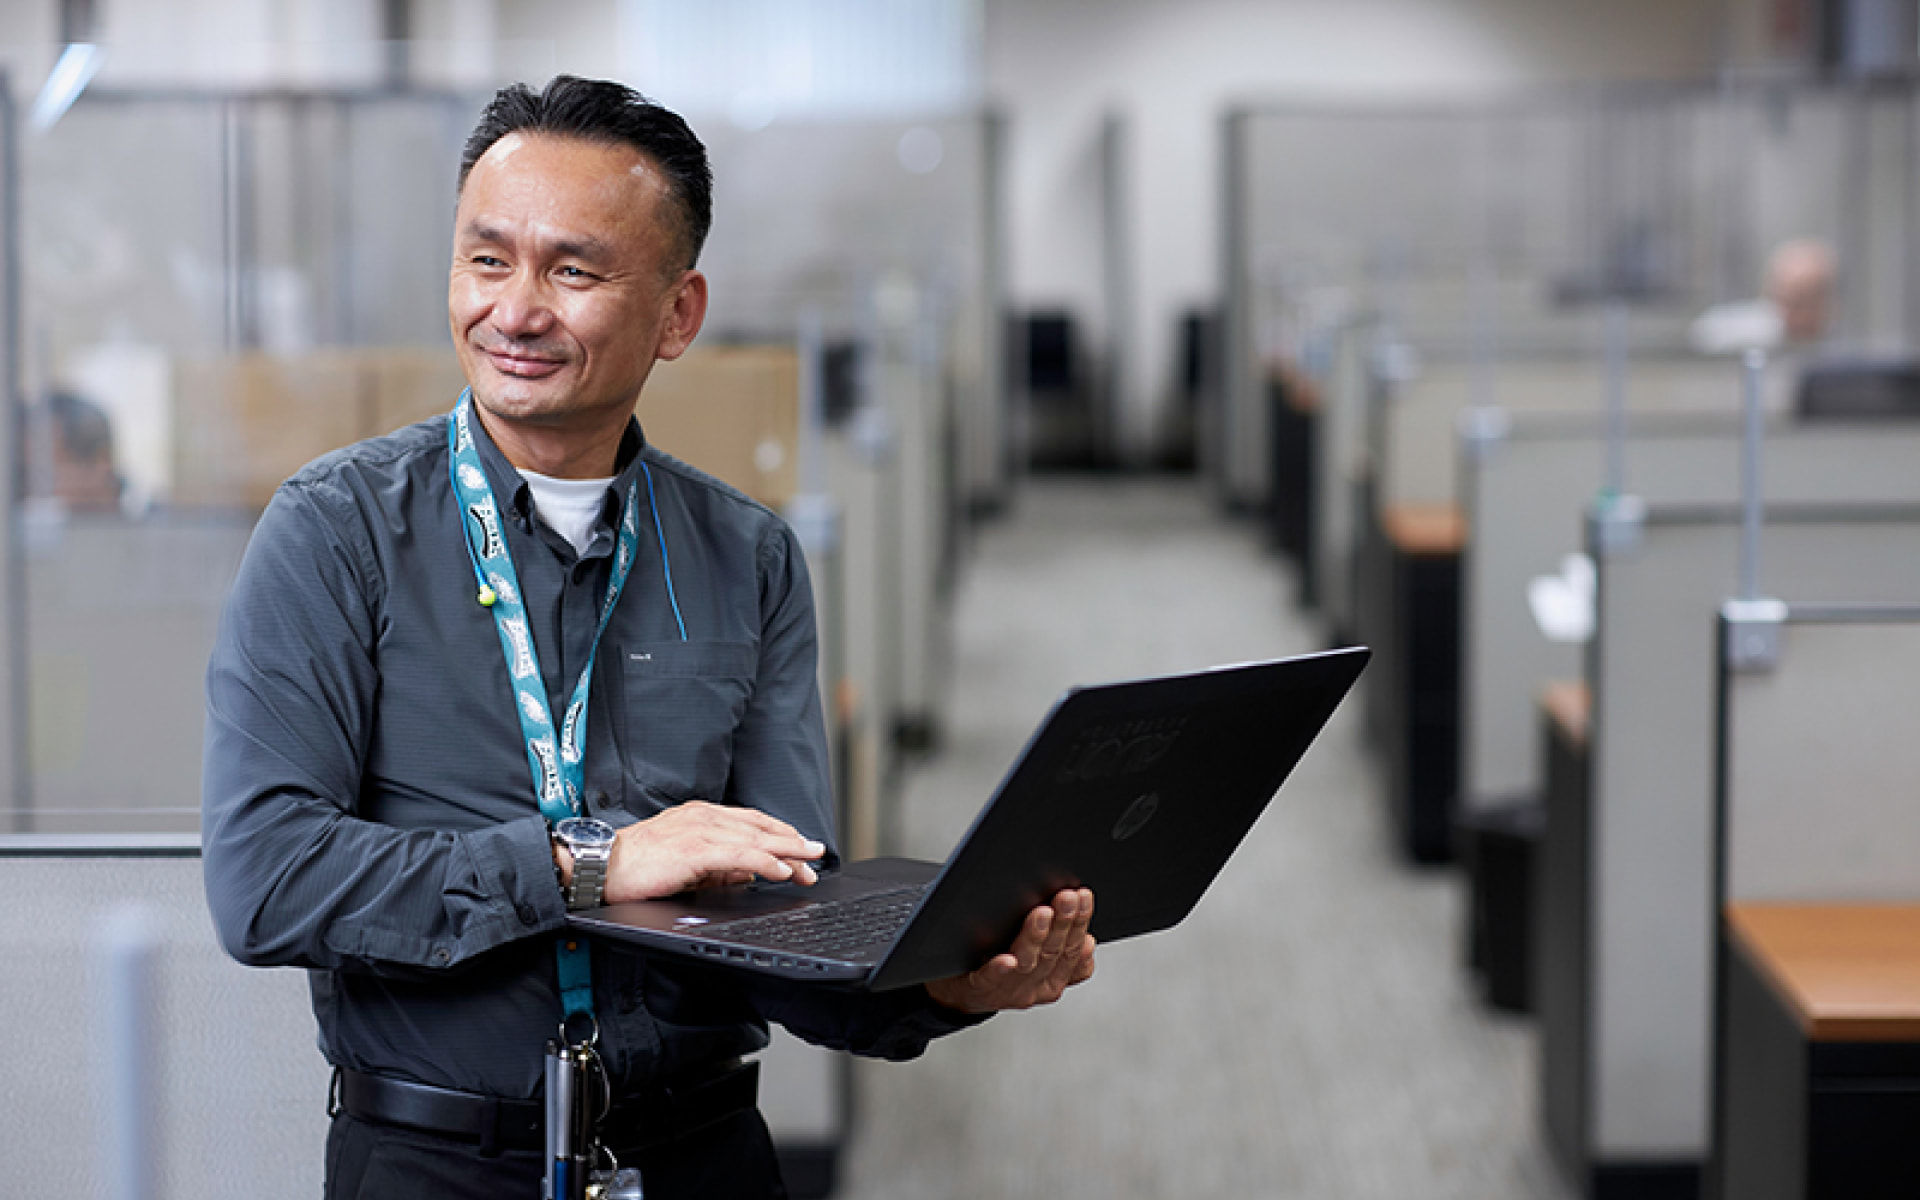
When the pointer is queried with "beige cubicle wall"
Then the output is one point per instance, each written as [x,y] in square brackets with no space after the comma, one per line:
[1527,490]
[121,610]
[1643,1043]
[733,412]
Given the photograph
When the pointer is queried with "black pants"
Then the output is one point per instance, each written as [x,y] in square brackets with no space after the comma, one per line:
[732,1159]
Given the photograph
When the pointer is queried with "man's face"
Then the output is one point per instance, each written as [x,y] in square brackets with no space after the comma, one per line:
[567,280]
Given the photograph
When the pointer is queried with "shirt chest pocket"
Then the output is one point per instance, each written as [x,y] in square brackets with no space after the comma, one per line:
[683,702]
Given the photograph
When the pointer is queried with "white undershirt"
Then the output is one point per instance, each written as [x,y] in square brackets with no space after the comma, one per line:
[569,507]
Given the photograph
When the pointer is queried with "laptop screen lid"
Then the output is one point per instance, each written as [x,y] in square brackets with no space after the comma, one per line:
[1140,790]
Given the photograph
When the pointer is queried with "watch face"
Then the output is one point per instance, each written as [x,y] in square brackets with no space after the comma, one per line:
[584,831]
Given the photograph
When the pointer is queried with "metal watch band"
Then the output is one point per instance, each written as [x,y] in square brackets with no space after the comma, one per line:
[589,876]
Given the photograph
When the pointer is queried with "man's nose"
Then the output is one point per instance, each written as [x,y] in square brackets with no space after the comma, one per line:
[522,307]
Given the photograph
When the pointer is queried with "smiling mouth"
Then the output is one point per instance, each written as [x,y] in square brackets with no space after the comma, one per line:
[522,366]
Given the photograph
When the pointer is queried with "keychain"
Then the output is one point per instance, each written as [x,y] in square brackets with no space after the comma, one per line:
[614,1182]
[578,1098]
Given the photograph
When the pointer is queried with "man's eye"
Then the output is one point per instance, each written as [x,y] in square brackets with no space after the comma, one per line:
[487,260]
[573,272]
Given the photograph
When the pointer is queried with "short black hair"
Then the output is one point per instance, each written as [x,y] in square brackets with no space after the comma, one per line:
[597,110]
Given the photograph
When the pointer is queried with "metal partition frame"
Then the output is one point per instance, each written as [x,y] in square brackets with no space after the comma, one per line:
[16,779]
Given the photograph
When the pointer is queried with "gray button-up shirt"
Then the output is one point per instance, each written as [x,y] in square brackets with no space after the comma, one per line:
[368,808]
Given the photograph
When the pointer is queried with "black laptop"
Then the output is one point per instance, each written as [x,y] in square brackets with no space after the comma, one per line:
[1138,790]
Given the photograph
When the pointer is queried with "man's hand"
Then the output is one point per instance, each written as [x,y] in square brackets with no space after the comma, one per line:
[1052,953]
[695,845]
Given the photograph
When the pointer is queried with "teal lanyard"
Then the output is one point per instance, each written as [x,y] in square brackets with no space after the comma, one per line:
[556,758]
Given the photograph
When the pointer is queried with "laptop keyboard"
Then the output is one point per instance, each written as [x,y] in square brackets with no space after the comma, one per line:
[825,929]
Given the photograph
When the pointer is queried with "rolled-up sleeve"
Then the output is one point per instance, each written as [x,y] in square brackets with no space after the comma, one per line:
[293,875]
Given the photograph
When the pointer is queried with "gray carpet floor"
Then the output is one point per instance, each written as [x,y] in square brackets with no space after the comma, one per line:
[1307,1032]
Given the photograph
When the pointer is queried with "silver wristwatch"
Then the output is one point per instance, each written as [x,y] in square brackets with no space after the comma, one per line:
[590,841]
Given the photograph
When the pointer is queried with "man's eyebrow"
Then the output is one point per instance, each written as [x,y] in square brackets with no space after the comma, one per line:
[582,246]
[480,231]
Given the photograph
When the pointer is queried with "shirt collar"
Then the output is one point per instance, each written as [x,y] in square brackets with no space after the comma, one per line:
[508,482]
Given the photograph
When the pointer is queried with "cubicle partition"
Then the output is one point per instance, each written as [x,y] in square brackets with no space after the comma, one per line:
[1419,414]
[1816,762]
[1318,200]
[235,1097]
[1816,905]
[1528,481]
[227,1085]
[1626,1047]
[874,226]
[1533,213]
[1422,419]
[1337,448]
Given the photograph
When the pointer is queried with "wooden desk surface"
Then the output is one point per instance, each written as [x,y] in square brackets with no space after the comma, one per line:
[1569,705]
[1848,972]
[1425,530]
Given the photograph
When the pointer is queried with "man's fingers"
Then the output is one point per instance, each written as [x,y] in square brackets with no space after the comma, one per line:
[698,844]
[791,842]
[1070,912]
[746,825]
[1084,971]
[1031,944]
[1053,952]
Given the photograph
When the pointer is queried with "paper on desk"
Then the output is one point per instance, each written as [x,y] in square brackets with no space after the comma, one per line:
[1733,328]
[1563,604]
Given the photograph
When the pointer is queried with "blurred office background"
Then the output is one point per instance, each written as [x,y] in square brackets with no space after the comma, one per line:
[1080,339]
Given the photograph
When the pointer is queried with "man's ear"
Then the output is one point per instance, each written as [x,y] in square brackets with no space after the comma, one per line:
[687,312]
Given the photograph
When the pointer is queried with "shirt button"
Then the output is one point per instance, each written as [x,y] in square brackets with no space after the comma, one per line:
[442,956]
[528,915]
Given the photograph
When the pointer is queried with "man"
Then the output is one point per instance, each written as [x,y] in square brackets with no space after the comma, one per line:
[1792,313]
[370,811]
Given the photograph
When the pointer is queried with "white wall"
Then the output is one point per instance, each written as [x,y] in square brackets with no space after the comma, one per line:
[1057,66]
[202,43]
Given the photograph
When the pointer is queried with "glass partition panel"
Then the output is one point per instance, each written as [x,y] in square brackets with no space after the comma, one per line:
[1510,221]
[216,287]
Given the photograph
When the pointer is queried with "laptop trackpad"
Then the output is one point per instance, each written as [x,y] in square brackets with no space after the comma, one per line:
[688,911]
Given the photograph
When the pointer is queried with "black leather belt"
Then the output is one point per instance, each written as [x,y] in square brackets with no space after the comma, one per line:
[658,1117]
